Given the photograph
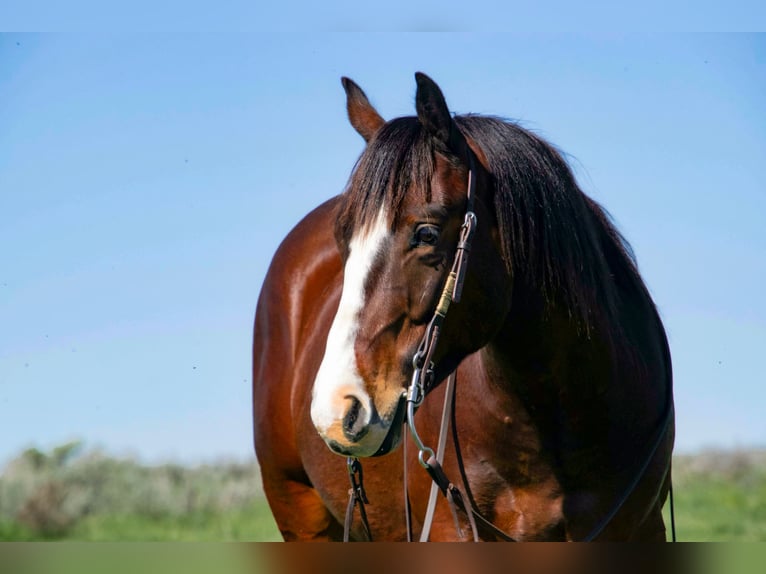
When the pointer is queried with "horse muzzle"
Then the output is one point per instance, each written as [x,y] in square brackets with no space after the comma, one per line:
[360,433]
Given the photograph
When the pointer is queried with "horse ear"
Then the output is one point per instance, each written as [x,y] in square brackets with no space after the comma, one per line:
[361,114]
[433,112]
[434,115]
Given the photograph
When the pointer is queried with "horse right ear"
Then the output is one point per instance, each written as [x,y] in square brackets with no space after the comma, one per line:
[361,114]
[435,117]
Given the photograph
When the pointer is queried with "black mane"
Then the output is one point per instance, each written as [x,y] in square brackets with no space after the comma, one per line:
[554,238]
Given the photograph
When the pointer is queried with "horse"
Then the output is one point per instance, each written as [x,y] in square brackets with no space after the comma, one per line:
[562,416]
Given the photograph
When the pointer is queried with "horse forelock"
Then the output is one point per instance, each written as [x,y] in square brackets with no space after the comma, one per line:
[397,164]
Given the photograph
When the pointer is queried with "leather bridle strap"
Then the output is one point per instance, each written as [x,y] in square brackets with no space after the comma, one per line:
[356,497]
[451,292]
[449,399]
[422,362]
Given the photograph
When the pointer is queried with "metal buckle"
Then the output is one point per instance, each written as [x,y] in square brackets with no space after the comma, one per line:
[415,395]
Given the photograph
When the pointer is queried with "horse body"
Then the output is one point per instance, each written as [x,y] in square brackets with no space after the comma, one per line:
[560,403]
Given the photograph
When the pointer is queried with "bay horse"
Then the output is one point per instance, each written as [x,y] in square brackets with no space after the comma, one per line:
[562,420]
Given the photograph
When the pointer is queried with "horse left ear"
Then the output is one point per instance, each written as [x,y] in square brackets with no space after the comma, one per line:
[434,115]
[365,119]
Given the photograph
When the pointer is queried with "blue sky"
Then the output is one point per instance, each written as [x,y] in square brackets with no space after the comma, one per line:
[393,15]
[146,180]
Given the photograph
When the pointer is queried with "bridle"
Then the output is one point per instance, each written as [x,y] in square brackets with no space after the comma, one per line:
[422,382]
[423,379]
[422,363]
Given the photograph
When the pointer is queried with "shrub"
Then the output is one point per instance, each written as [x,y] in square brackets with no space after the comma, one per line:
[50,493]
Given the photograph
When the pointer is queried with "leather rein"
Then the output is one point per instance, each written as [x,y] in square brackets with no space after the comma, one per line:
[421,384]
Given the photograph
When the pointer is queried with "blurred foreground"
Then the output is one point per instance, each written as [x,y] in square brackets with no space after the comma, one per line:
[73,494]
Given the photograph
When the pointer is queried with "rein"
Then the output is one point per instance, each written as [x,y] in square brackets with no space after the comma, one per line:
[421,384]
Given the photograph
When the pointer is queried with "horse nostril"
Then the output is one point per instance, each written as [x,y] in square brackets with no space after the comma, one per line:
[350,419]
[352,414]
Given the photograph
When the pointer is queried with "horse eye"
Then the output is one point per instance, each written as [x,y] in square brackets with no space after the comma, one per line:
[426,235]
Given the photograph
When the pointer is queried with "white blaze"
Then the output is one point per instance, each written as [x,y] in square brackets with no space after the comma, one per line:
[338,375]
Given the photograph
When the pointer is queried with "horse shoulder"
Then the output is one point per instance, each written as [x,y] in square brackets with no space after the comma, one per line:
[300,276]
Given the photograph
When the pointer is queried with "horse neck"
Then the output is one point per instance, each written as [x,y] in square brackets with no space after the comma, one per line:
[578,386]
[532,344]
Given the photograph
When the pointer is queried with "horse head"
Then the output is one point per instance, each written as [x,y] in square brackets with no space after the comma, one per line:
[397,230]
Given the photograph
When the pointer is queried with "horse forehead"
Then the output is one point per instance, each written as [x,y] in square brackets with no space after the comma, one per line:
[366,250]
[445,188]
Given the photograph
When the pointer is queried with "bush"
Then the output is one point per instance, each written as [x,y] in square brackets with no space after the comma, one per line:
[50,494]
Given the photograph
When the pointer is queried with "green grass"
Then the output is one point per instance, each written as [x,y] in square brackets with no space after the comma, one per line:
[720,496]
[251,523]
[73,495]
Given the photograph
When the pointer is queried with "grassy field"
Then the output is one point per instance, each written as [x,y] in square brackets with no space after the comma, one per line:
[721,496]
[73,494]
